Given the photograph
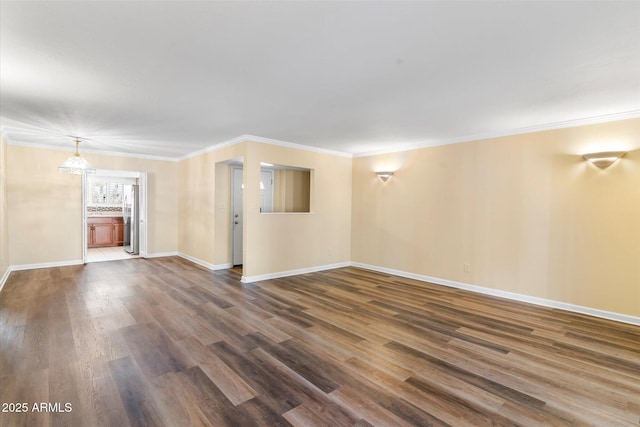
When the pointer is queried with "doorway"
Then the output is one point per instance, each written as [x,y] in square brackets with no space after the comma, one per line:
[237,187]
[237,217]
[103,217]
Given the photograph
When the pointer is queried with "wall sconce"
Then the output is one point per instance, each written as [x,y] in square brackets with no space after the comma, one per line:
[384,176]
[605,159]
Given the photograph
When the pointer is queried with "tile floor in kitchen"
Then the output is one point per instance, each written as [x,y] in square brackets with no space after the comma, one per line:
[108,254]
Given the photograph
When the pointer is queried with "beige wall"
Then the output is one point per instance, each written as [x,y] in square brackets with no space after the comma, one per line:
[222,255]
[272,242]
[200,211]
[281,242]
[291,191]
[45,206]
[4,218]
[526,212]
[162,197]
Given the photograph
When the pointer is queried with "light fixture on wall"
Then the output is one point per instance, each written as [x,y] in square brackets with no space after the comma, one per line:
[605,159]
[384,176]
[76,164]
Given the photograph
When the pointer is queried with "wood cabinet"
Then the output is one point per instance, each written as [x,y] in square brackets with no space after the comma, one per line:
[105,231]
[118,233]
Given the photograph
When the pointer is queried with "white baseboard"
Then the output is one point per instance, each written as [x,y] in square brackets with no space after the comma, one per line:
[624,318]
[222,266]
[204,263]
[5,277]
[161,254]
[276,275]
[46,265]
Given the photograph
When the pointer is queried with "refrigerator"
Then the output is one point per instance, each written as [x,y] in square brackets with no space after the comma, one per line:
[131,216]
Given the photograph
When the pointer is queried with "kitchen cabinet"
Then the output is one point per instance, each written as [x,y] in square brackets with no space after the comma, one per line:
[118,236]
[105,231]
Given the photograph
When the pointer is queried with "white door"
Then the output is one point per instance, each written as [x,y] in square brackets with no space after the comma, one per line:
[266,191]
[236,215]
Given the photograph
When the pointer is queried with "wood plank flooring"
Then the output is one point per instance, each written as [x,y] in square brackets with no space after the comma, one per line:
[164,342]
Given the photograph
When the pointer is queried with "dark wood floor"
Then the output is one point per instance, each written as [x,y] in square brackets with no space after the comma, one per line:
[165,342]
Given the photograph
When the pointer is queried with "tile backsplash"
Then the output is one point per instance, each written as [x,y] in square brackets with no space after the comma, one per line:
[104,209]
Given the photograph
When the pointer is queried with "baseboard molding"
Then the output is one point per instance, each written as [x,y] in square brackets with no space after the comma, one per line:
[276,275]
[46,265]
[161,254]
[618,317]
[204,264]
[4,278]
[222,266]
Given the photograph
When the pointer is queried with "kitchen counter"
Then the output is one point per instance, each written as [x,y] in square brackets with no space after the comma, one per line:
[103,214]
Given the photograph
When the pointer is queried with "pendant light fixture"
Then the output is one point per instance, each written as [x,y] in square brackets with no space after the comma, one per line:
[76,164]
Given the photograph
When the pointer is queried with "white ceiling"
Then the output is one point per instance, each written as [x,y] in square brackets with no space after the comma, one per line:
[170,78]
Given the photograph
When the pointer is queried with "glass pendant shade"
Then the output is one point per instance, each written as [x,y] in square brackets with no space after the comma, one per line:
[76,164]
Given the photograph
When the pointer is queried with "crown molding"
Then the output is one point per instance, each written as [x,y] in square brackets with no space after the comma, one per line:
[297,146]
[634,114]
[263,140]
[132,155]
[214,147]
[408,147]
[90,151]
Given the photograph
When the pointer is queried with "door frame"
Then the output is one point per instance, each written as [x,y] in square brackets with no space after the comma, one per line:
[142,208]
[84,219]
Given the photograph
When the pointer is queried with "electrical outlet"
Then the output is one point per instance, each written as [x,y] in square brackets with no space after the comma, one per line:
[467,267]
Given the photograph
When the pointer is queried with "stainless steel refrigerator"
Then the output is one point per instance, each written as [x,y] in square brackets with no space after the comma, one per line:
[131,214]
